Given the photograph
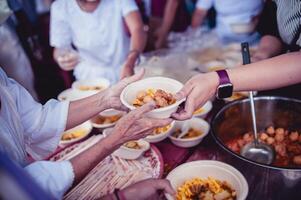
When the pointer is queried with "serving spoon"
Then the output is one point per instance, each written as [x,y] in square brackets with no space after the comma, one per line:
[256,150]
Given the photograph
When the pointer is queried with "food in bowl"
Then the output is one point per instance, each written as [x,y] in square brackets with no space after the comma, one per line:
[89,88]
[73,134]
[161,130]
[99,119]
[198,111]
[206,189]
[286,144]
[159,96]
[191,133]
[132,145]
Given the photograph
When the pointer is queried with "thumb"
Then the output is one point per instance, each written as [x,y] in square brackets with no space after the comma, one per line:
[135,77]
[164,184]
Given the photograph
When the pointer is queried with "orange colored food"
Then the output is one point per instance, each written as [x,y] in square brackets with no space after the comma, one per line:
[132,145]
[160,97]
[106,119]
[190,134]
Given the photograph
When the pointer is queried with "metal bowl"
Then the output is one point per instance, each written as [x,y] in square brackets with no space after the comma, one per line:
[234,120]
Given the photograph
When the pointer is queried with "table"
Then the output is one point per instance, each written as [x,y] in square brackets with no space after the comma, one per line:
[264,184]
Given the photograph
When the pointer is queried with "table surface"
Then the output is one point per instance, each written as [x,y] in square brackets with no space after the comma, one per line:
[264,184]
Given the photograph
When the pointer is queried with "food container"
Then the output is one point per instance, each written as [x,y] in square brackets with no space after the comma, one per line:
[161,136]
[195,123]
[172,86]
[234,120]
[85,127]
[132,154]
[69,95]
[204,110]
[91,86]
[107,113]
[204,169]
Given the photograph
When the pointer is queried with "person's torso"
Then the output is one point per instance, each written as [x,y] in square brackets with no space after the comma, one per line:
[289,20]
[233,12]
[99,36]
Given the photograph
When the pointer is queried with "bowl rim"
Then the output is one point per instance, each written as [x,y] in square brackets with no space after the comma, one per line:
[76,83]
[146,144]
[90,128]
[226,167]
[220,143]
[104,126]
[209,105]
[157,110]
[204,122]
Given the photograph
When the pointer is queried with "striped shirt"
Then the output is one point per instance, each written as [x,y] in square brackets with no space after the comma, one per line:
[289,20]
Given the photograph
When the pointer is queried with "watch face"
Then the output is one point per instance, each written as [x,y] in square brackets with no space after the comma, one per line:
[224,91]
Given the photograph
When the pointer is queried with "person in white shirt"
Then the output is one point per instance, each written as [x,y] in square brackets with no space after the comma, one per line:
[231,16]
[108,36]
[29,128]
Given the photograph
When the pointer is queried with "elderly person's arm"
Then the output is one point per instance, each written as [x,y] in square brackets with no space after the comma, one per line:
[272,73]
[198,17]
[168,19]
[138,42]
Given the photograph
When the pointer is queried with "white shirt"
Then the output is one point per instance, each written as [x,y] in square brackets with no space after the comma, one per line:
[29,127]
[100,37]
[232,12]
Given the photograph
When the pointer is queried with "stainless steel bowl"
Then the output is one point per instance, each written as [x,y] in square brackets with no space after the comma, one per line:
[234,120]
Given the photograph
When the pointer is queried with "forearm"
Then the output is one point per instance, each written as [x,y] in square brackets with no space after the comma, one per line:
[198,17]
[169,15]
[86,161]
[84,109]
[273,73]
[270,45]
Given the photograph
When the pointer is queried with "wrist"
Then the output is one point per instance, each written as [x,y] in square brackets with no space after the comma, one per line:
[102,102]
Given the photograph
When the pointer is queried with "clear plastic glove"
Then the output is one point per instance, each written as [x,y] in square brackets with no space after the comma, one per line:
[67,59]
[148,189]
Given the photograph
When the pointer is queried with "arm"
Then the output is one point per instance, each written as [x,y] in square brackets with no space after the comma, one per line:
[198,17]
[269,46]
[276,72]
[138,42]
[168,19]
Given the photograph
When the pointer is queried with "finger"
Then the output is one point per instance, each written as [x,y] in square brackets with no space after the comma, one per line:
[189,108]
[184,92]
[163,184]
[159,122]
[137,113]
[135,77]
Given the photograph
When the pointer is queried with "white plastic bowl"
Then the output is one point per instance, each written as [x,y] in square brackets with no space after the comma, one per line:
[102,82]
[206,108]
[86,125]
[69,95]
[195,123]
[243,28]
[205,169]
[107,113]
[132,154]
[169,85]
[160,137]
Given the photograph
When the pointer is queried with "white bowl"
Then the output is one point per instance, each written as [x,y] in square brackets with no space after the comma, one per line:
[195,123]
[243,28]
[69,95]
[160,137]
[169,85]
[102,82]
[205,169]
[132,154]
[242,94]
[206,108]
[86,126]
[107,113]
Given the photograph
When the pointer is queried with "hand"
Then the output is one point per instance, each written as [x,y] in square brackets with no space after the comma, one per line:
[198,90]
[259,55]
[135,125]
[160,36]
[67,60]
[147,189]
[112,94]
[128,67]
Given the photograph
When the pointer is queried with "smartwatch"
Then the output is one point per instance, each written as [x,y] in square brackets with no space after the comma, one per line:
[225,88]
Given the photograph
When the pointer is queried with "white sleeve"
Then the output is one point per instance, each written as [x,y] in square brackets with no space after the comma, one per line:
[60,31]
[128,6]
[43,124]
[54,177]
[204,4]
